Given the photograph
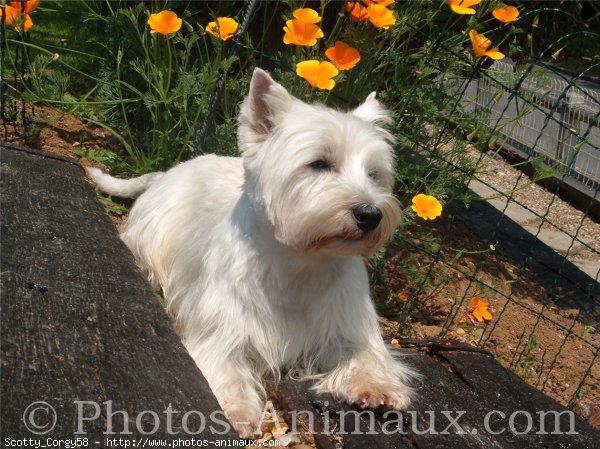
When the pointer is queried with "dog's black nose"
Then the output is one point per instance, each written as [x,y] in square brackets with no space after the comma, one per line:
[367,217]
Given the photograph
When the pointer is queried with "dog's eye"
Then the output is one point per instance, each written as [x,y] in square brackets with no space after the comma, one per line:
[320,165]
[373,174]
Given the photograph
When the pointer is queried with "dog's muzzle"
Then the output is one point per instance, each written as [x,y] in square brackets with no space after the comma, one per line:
[367,217]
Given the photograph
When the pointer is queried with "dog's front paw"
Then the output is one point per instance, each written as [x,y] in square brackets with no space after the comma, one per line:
[389,395]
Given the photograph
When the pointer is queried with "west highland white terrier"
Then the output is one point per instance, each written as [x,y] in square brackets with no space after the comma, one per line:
[260,258]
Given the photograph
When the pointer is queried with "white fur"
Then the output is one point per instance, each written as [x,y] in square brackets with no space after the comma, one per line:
[126,188]
[260,257]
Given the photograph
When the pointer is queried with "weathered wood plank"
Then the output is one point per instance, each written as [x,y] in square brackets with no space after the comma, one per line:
[505,394]
[79,321]
[457,392]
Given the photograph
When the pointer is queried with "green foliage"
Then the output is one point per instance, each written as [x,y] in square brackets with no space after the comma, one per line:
[106,157]
[111,207]
[152,93]
[528,364]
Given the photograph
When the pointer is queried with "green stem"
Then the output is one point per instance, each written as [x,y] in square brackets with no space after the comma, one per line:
[170,56]
[130,150]
[336,28]
[70,67]
[122,103]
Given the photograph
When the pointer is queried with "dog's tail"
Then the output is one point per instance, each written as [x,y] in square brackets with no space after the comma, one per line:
[124,188]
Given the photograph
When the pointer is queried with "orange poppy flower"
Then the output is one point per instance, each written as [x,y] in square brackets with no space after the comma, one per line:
[426,206]
[402,297]
[380,2]
[25,7]
[357,11]
[481,46]
[11,14]
[343,56]
[223,28]
[298,32]
[506,14]
[15,17]
[463,6]
[480,310]
[318,74]
[164,22]
[307,15]
[380,16]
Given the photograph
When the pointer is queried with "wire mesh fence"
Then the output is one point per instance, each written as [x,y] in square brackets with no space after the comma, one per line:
[551,116]
[505,241]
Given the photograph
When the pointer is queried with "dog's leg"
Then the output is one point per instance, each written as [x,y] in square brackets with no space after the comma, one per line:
[371,378]
[357,366]
[238,389]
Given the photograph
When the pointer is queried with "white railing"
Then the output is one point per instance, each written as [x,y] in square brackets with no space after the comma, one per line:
[544,116]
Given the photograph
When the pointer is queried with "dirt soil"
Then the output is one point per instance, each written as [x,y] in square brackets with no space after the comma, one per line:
[57,132]
[558,214]
[547,346]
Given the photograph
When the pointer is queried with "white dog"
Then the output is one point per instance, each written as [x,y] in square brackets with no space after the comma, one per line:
[260,257]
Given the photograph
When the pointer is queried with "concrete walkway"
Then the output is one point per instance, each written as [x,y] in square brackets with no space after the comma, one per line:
[561,242]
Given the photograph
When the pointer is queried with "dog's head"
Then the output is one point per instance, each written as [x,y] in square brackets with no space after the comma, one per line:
[322,178]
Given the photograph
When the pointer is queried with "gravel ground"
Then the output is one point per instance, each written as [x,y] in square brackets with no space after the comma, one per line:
[496,172]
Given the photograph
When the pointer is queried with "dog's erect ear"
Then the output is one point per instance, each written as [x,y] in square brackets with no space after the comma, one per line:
[373,111]
[265,100]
